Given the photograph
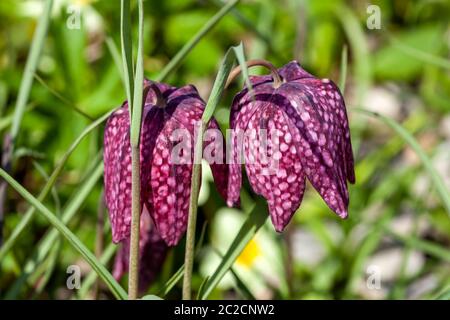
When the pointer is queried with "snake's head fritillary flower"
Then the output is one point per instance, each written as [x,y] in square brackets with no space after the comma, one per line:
[166,154]
[301,121]
[152,254]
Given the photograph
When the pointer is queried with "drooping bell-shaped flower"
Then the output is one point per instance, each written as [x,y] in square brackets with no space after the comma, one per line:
[294,127]
[152,254]
[169,123]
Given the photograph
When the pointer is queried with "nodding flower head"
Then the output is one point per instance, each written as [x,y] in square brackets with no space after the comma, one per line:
[301,121]
[168,120]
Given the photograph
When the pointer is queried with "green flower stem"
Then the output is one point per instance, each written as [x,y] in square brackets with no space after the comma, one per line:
[192,218]
[133,279]
[136,120]
[277,82]
[213,100]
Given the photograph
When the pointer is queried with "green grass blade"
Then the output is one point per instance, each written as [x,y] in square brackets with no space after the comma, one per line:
[6,120]
[409,138]
[89,281]
[240,285]
[252,224]
[259,31]
[49,267]
[219,85]
[127,52]
[343,72]
[151,297]
[30,67]
[62,99]
[176,61]
[176,277]
[115,288]
[54,192]
[221,79]
[240,56]
[428,247]
[365,249]
[421,55]
[115,54]
[26,219]
[444,295]
[358,45]
[46,243]
[138,83]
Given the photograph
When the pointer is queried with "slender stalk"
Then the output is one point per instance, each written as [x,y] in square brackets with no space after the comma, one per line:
[192,218]
[213,101]
[135,133]
[133,279]
[277,81]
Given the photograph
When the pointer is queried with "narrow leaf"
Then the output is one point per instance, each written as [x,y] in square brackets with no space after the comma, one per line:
[252,224]
[187,48]
[127,55]
[30,67]
[409,138]
[89,281]
[421,55]
[343,73]
[115,54]
[115,288]
[26,219]
[138,84]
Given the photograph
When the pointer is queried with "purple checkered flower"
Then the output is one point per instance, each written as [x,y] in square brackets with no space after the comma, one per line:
[165,183]
[306,134]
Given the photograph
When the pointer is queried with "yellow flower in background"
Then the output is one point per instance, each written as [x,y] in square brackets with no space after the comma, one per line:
[259,266]
[251,252]
[82,2]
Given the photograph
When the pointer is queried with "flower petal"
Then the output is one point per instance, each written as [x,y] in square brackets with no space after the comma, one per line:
[272,165]
[319,141]
[170,171]
[293,71]
[242,110]
[220,169]
[170,185]
[332,106]
[117,160]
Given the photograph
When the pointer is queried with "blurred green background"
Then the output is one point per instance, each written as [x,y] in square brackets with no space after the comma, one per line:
[395,244]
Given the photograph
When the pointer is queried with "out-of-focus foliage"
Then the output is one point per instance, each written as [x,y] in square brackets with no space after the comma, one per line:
[398,229]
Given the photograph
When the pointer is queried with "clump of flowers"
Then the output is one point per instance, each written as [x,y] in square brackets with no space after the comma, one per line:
[288,127]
